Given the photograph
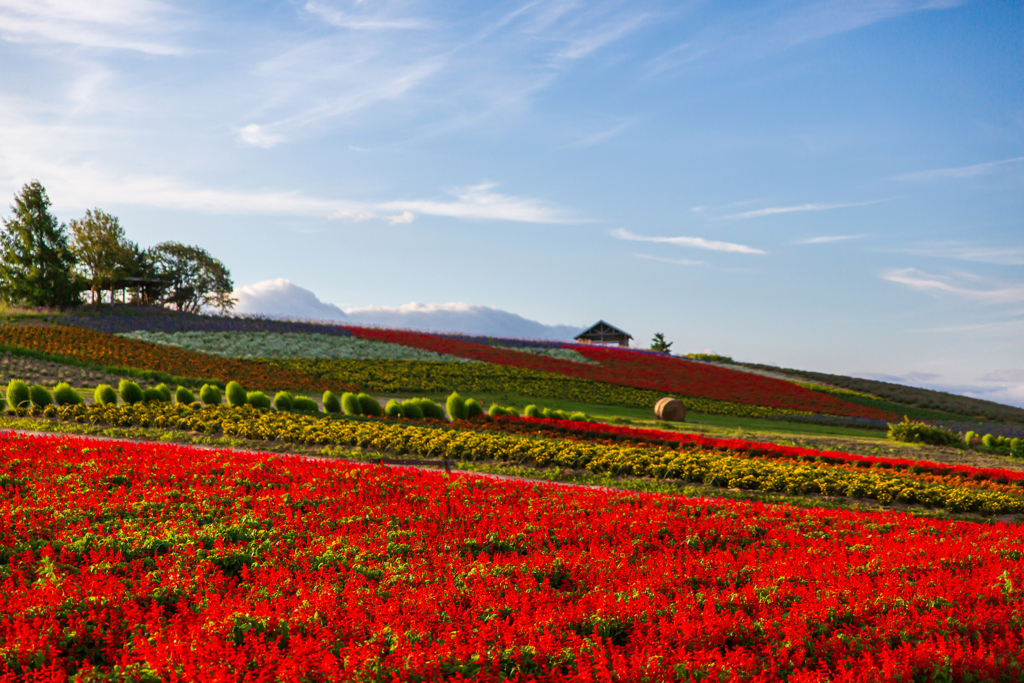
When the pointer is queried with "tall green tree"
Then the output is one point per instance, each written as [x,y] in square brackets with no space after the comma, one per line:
[36,262]
[194,278]
[104,253]
[658,343]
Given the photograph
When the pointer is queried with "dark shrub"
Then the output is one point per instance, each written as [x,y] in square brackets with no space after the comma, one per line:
[473,408]
[456,407]
[432,410]
[40,395]
[532,411]
[331,402]
[164,391]
[183,396]
[394,409]
[235,394]
[919,432]
[350,404]
[130,391]
[257,399]
[412,409]
[988,441]
[283,400]
[152,395]
[305,404]
[105,395]
[210,395]
[368,405]
[64,395]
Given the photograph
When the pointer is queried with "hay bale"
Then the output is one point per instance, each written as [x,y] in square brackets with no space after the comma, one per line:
[670,410]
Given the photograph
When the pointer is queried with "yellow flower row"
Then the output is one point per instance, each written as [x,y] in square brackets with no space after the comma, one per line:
[718,468]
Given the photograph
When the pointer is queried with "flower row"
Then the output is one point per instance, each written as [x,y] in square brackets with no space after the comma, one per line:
[152,562]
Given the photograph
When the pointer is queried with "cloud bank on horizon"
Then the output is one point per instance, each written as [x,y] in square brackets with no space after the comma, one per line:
[282,298]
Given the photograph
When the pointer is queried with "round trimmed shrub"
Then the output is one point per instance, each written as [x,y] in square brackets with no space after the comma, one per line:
[532,411]
[130,391]
[164,391]
[183,396]
[350,404]
[968,438]
[473,408]
[235,394]
[64,395]
[152,395]
[18,394]
[257,399]
[1015,446]
[331,402]
[210,395]
[105,395]
[412,409]
[40,395]
[305,404]
[496,411]
[456,407]
[988,440]
[394,409]
[579,417]
[547,413]
[369,405]
[432,410]
[283,400]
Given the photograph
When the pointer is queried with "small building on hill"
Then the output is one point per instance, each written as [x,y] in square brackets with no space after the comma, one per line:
[603,333]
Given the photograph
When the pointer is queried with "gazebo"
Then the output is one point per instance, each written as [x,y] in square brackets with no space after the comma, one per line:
[603,333]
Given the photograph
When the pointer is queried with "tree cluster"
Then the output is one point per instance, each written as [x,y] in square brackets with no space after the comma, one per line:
[41,264]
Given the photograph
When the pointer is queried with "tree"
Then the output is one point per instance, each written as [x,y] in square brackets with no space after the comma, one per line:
[658,343]
[36,263]
[194,278]
[103,252]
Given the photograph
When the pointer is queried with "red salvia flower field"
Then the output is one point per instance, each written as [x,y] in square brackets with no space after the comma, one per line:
[642,370]
[156,562]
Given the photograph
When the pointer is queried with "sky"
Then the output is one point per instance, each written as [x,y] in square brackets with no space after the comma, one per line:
[830,185]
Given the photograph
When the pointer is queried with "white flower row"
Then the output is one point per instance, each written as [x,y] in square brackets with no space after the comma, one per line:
[288,345]
[553,352]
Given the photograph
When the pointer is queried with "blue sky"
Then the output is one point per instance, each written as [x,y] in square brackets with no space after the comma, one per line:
[828,185]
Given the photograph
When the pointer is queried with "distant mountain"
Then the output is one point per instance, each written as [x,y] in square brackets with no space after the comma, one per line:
[284,299]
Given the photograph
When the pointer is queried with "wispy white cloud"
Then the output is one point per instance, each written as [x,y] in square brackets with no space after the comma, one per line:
[692,242]
[1006,375]
[674,261]
[829,239]
[798,208]
[959,171]
[135,25]
[1004,256]
[374,19]
[482,202]
[939,284]
[600,136]
[764,29]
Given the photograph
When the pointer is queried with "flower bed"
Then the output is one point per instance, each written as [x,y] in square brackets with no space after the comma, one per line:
[718,463]
[150,562]
[128,318]
[111,350]
[651,371]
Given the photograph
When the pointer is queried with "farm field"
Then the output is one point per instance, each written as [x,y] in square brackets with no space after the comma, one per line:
[782,540]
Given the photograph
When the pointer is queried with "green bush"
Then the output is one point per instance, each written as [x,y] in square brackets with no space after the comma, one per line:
[532,411]
[235,394]
[105,395]
[497,411]
[152,395]
[432,410]
[412,409]
[18,394]
[183,396]
[579,417]
[165,392]
[1016,446]
[257,399]
[968,438]
[988,441]
[283,400]
[368,405]
[394,409]
[40,395]
[473,408]
[64,395]
[350,404]
[130,392]
[210,395]
[331,402]
[456,407]
[910,431]
[3,403]
[547,413]
[305,404]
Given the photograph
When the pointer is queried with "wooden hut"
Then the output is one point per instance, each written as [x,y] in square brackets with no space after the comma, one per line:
[603,333]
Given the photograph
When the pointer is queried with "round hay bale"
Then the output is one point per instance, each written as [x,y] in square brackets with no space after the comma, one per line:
[670,410]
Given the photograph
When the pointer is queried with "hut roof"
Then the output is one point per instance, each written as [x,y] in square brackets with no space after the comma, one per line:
[601,328]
